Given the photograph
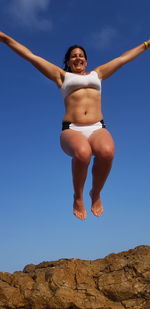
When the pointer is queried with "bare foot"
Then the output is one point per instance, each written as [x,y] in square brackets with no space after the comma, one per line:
[78,209]
[97,207]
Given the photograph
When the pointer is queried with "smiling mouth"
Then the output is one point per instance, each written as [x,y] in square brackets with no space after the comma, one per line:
[78,63]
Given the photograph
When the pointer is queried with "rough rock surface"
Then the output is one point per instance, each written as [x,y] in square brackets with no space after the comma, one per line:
[119,281]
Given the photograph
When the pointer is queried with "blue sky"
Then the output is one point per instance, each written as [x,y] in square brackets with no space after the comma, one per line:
[35,176]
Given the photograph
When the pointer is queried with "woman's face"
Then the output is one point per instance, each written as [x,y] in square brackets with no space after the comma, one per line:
[77,62]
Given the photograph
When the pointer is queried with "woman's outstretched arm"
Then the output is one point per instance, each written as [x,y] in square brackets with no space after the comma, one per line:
[47,68]
[112,66]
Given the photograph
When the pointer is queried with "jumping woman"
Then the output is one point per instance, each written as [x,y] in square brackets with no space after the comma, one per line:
[83,128]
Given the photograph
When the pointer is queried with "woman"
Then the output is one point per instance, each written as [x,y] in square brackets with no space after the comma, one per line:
[83,133]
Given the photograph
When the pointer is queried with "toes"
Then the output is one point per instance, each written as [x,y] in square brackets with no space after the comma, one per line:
[80,215]
[78,209]
[97,207]
[97,212]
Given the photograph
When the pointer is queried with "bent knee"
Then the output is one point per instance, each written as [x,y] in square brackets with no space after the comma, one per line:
[106,153]
[83,154]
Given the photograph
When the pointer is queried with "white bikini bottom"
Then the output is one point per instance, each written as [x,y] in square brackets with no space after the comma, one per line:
[86,130]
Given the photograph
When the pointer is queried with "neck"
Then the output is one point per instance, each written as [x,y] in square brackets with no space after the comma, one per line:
[81,73]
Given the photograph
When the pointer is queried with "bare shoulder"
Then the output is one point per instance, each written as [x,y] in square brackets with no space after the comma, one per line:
[50,70]
[98,71]
[107,69]
[60,77]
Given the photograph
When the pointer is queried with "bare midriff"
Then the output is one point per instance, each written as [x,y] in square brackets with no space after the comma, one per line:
[83,107]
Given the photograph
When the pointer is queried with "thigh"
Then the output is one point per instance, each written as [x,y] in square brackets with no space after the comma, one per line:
[73,142]
[101,142]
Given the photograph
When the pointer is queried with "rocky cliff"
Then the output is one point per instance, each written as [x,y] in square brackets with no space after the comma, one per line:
[119,281]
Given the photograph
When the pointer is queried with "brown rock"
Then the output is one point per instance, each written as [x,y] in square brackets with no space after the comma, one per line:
[119,281]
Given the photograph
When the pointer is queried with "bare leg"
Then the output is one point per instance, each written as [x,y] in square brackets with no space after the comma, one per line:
[77,146]
[79,173]
[103,148]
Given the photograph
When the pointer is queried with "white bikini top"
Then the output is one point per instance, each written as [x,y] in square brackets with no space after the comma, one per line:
[74,82]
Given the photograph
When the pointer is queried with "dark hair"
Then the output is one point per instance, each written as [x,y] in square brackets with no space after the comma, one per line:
[67,56]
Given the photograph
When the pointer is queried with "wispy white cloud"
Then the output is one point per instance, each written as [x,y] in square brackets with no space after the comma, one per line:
[103,38]
[30,13]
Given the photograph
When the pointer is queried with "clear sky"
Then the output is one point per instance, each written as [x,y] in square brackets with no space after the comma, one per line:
[36,221]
